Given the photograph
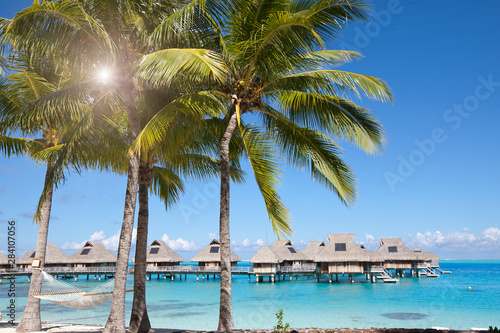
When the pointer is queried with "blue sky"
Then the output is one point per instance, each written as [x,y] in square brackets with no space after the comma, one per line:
[437,184]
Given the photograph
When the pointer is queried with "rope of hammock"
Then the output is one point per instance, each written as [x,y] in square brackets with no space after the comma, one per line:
[65,294]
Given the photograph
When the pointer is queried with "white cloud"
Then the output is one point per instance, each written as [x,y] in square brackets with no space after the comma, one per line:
[491,235]
[247,245]
[212,235]
[72,246]
[97,236]
[370,243]
[301,245]
[180,244]
[488,240]
[111,243]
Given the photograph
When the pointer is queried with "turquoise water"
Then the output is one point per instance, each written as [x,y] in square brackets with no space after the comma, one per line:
[413,303]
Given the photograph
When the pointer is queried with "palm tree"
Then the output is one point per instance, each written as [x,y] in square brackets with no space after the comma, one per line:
[17,91]
[180,152]
[88,35]
[275,65]
[43,141]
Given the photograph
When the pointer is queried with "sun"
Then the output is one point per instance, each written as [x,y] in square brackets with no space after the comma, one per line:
[104,75]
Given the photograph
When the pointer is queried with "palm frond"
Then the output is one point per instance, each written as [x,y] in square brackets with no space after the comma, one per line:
[202,167]
[166,185]
[330,17]
[340,83]
[161,67]
[339,117]
[59,29]
[10,146]
[197,104]
[310,149]
[281,39]
[187,26]
[266,170]
[325,59]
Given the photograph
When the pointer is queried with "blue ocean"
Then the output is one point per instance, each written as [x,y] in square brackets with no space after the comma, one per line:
[423,302]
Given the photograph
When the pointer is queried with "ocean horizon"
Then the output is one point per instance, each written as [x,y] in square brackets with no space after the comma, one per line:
[423,302]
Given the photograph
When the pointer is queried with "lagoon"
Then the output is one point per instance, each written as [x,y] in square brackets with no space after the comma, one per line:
[424,302]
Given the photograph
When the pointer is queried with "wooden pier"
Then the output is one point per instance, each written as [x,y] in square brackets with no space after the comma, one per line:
[372,275]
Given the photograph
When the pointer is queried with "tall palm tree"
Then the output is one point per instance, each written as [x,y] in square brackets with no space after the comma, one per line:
[43,140]
[181,152]
[276,66]
[19,90]
[88,35]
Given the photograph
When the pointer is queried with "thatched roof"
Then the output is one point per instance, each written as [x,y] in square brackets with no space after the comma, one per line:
[159,251]
[287,252]
[52,256]
[212,253]
[265,255]
[313,249]
[342,248]
[3,259]
[93,252]
[425,256]
[393,249]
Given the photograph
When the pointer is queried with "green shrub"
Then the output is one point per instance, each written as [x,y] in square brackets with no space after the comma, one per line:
[280,328]
[493,330]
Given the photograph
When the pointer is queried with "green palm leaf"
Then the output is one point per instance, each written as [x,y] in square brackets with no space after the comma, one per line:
[266,169]
[343,83]
[312,150]
[161,67]
[339,117]
[10,146]
[167,185]
[196,104]
[58,29]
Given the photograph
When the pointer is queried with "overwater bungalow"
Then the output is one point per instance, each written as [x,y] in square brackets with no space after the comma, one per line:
[265,262]
[343,256]
[396,256]
[92,254]
[4,262]
[426,261]
[159,254]
[210,256]
[429,258]
[292,258]
[313,249]
[53,257]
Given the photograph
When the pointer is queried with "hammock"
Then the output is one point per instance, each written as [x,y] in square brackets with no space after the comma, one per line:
[65,294]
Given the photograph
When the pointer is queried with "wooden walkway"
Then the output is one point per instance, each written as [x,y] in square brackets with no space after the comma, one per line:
[171,272]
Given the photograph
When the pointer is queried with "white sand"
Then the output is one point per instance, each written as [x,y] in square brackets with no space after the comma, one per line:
[70,328]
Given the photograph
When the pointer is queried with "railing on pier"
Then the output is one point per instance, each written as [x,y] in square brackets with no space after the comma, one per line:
[377,269]
[195,269]
[298,268]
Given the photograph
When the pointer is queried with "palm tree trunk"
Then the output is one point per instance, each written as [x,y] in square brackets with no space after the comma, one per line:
[226,308]
[31,320]
[116,319]
[139,320]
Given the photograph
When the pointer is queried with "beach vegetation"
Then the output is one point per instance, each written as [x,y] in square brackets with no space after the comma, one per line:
[280,327]
[493,330]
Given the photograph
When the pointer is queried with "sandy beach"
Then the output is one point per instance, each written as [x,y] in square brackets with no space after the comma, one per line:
[78,328]
[72,328]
